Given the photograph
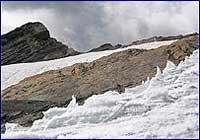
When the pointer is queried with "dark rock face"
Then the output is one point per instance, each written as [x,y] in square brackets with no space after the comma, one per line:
[31,43]
[114,72]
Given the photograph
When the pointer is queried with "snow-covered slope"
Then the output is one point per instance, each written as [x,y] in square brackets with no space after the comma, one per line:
[164,107]
[12,74]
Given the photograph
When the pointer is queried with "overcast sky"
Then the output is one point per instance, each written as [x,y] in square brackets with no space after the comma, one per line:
[86,25]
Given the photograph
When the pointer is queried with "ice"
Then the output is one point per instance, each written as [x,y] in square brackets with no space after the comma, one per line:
[12,74]
[166,106]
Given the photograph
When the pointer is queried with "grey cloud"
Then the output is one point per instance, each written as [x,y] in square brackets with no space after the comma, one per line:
[85,25]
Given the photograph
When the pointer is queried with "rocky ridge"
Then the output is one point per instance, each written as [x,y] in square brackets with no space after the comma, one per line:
[109,46]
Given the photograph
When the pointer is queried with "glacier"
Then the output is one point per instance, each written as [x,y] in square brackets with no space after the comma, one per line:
[14,73]
[166,106]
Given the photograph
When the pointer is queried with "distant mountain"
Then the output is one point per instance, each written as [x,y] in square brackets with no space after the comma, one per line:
[31,43]
[106,46]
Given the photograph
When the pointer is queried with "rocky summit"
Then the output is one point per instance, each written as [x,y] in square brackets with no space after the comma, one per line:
[24,102]
[31,43]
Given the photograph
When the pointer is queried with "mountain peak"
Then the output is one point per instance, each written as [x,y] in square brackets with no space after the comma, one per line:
[31,42]
[32,29]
